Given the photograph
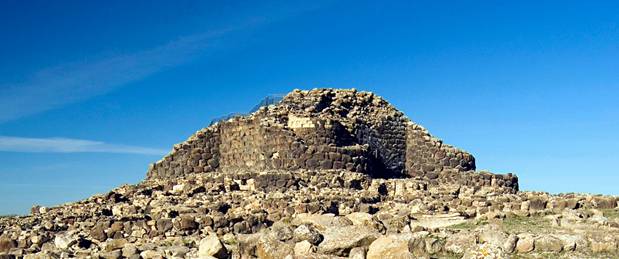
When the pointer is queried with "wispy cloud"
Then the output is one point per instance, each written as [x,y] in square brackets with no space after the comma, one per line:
[68,145]
[68,83]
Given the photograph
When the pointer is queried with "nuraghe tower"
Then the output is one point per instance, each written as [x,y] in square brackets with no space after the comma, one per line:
[326,129]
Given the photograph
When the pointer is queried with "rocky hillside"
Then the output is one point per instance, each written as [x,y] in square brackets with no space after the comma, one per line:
[322,174]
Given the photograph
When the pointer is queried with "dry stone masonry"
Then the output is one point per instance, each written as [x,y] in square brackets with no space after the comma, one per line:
[321,174]
[323,129]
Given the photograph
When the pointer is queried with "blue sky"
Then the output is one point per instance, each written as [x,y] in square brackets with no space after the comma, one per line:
[91,93]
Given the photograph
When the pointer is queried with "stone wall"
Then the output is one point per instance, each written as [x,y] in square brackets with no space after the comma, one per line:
[320,130]
[199,154]
[254,143]
[313,144]
[426,155]
[387,145]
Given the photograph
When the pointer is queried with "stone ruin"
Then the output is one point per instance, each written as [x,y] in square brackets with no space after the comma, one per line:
[327,129]
[320,174]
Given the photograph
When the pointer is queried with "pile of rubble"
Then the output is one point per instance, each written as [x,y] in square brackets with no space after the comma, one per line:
[220,196]
[313,214]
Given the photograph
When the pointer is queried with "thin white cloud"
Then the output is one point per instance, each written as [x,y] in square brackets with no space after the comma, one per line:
[68,145]
[54,87]
[69,83]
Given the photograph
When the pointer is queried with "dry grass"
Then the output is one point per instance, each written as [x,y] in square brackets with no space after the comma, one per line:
[611,213]
[471,224]
[522,224]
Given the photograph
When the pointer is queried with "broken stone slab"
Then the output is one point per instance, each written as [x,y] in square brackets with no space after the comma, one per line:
[437,221]
[212,246]
[340,240]
[65,240]
[307,233]
[321,221]
[390,247]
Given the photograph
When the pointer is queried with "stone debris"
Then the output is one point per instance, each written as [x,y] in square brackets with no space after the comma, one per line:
[322,174]
[392,246]
[212,246]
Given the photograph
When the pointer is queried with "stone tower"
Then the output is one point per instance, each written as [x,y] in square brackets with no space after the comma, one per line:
[320,129]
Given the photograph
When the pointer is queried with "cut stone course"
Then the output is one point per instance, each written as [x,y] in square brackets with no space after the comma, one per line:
[322,129]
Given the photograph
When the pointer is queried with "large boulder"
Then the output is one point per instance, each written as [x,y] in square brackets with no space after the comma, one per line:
[492,235]
[340,240]
[6,244]
[303,248]
[321,221]
[547,243]
[269,247]
[438,221]
[307,233]
[65,240]
[390,247]
[212,246]
[525,244]
[365,219]
[360,218]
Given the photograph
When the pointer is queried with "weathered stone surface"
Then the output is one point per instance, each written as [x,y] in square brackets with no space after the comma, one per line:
[525,244]
[537,203]
[492,235]
[303,248]
[212,246]
[357,253]
[437,221]
[360,219]
[460,242]
[129,251]
[548,243]
[605,202]
[151,254]
[433,245]
[64,241]
[164,225]
[321,221]
[340,240]
[186,223]
[98,232]
[270,248]
[390,247]
[307,233]
[115,244]
[509,246]
[572,242]
[6,244]
[116,254]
